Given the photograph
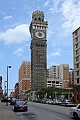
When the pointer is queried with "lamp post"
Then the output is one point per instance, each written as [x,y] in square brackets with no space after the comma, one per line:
[72,81]
[4,88]
[7,84]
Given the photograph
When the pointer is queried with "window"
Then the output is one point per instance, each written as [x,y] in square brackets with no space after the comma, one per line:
[79,107]
[77,80]
[77,58]
[77,45]
[77,65]
[77,52]
[77,73]
[76,33]
[76,39]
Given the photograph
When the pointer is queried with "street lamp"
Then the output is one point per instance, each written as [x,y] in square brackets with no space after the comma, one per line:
[7,83]
[4,88]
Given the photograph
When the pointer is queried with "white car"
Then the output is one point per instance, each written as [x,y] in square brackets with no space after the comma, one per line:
[75,112]
[67,103]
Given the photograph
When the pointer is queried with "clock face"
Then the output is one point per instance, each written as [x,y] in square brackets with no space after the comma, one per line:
[39,34]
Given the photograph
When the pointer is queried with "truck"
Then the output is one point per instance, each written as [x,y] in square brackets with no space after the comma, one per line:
[75,112]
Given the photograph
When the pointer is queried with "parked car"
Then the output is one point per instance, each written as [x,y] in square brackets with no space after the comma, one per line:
[12,101]
[49,102]
[75,111]
[20,105]
[56,101]
[67,103]
[6,100]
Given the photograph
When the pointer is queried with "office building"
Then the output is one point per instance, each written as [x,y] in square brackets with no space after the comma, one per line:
[59,74]
[76,59]
[24,79]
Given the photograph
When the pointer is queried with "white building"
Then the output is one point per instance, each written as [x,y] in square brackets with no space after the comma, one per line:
[59,75]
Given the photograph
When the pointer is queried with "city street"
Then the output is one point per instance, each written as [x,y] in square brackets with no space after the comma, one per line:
[38,111]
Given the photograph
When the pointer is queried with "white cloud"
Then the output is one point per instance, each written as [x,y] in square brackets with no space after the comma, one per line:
[18,51]
[71,14]
[7,17]
[46,3]
[57,52]
[54,6]
[16,35]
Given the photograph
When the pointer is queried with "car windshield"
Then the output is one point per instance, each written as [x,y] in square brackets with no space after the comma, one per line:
[20,102]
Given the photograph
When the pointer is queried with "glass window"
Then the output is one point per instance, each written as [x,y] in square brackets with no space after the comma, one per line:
[77,65]
[76,52]
[77,58]
[77,80]
[76,33]
[79,107]
[77,45]
[77,73]
[76,39]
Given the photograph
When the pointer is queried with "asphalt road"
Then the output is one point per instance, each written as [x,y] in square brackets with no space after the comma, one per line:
[38,111]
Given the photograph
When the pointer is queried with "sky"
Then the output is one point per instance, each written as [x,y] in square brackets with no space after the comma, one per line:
[63,18]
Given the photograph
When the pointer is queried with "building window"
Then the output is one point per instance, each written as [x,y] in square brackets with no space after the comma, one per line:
[77,80]
[77,65]
[76,39]
[77,52]
[77,73]
[77,58]
[76,33]
[77,45]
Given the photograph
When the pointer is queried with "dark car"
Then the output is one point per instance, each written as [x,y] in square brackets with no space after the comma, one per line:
[6,100]
[12,101]
[20,105]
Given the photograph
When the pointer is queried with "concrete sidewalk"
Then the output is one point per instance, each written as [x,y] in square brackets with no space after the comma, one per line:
[7,113]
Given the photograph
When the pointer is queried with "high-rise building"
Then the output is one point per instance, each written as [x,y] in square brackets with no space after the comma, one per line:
[24,79]
[38,31]
[54,71]
[60,73]
[76,57]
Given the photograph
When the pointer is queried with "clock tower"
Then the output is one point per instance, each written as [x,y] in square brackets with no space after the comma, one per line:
[38,29]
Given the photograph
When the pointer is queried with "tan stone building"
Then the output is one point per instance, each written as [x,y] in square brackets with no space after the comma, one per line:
[59,74]
[76,59]
[24,79]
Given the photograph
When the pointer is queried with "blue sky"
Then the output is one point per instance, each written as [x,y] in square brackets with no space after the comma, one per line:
[63,18]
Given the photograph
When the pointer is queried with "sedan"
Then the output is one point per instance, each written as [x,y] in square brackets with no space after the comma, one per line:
[67,103]
[20,105]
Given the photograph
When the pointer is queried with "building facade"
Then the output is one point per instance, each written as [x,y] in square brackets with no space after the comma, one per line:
[76,59]
[24,79]
[38,31]
[59,74]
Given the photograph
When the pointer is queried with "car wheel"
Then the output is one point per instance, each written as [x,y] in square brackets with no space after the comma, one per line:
[75,116]
[26,109]
[14,110]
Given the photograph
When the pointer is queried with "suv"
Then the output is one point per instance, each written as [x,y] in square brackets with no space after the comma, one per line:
[75,111]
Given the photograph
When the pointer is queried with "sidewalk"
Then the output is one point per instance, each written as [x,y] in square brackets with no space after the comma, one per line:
[6,112]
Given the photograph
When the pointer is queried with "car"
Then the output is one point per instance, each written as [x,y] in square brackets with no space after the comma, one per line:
[20,105]
[67,103]
[6,100]
[75,111]
[56,101]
